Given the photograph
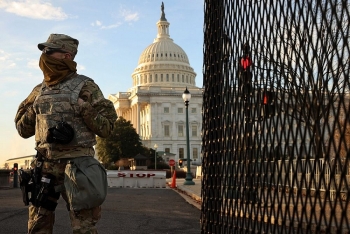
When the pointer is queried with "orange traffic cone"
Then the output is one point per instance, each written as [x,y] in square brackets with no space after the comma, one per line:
[173,183]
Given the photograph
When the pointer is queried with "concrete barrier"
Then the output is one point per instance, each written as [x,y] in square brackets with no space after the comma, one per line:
[136,179]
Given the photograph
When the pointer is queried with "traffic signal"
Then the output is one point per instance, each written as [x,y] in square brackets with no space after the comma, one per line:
[268,101]
[245,75]
[15,168]
[180,162]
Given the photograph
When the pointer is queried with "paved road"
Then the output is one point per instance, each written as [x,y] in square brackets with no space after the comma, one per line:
[125,211]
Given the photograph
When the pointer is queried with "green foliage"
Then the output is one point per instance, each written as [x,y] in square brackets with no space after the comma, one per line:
[124,142]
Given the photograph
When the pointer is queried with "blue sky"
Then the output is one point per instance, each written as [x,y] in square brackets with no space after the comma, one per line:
[112,36]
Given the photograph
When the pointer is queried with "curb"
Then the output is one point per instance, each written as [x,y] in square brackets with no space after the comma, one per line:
[190,193]
[189,196]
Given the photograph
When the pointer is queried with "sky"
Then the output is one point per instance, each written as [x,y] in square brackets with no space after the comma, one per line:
[112,35]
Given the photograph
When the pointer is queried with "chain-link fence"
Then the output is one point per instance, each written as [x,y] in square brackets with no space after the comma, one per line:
[276,121]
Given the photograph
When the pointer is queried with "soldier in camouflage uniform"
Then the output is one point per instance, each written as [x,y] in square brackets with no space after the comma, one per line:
[78,100]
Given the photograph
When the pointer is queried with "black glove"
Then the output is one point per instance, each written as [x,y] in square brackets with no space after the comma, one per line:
[62,133]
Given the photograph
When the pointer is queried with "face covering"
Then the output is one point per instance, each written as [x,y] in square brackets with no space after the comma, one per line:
[56,70]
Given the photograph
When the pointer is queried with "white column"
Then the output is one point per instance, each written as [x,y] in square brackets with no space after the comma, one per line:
[132,116]
[138,118]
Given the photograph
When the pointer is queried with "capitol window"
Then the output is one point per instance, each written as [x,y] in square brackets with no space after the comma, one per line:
[166,110]
[195,153]
[167,77]
[194,130]
[166,130]
[180,130]
[181,153]
[180,110]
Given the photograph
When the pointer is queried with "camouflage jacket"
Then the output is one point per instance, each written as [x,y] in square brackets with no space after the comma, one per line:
[97,112]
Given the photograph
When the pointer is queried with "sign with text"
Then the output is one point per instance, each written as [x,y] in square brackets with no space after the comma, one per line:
[136,174]
[171,162]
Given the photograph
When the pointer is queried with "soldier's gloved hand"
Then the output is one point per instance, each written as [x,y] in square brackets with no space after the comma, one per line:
[62,133]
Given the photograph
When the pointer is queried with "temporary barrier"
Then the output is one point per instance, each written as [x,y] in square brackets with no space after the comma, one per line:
[136,179]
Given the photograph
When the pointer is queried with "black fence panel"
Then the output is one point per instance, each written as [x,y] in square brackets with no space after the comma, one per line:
[276,121]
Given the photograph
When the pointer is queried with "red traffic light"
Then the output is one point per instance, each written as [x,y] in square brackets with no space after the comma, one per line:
[268,98]
[15,168]
[246,62]
[265,99]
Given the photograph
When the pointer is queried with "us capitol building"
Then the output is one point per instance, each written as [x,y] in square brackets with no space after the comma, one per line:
[154,104]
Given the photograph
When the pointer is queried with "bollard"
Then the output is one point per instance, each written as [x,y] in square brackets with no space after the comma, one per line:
[15,175]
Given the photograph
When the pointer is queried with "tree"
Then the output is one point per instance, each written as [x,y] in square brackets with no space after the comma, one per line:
[307,63]
[124,142]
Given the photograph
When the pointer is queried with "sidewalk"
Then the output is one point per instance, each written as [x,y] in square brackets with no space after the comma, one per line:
[192,191]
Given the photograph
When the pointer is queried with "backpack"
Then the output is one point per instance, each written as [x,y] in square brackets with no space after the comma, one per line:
[85,182]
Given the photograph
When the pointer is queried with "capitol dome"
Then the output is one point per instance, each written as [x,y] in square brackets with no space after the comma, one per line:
[164,63]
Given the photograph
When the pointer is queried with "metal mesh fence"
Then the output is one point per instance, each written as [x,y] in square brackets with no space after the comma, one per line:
[276,121]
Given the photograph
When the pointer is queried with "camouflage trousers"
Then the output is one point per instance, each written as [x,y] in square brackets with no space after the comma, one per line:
[42,220]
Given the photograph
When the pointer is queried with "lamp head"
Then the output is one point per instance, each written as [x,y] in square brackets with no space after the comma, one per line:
[186,96]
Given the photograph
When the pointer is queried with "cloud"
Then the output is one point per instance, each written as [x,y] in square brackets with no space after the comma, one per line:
[111,26]
[96,23]
[5,61]
[13,68]
[3,55]
[35,9]
[99,24]
[33,63]
[127,16]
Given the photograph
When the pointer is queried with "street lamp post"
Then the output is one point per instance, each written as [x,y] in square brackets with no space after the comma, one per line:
[186,96]
[155,156]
